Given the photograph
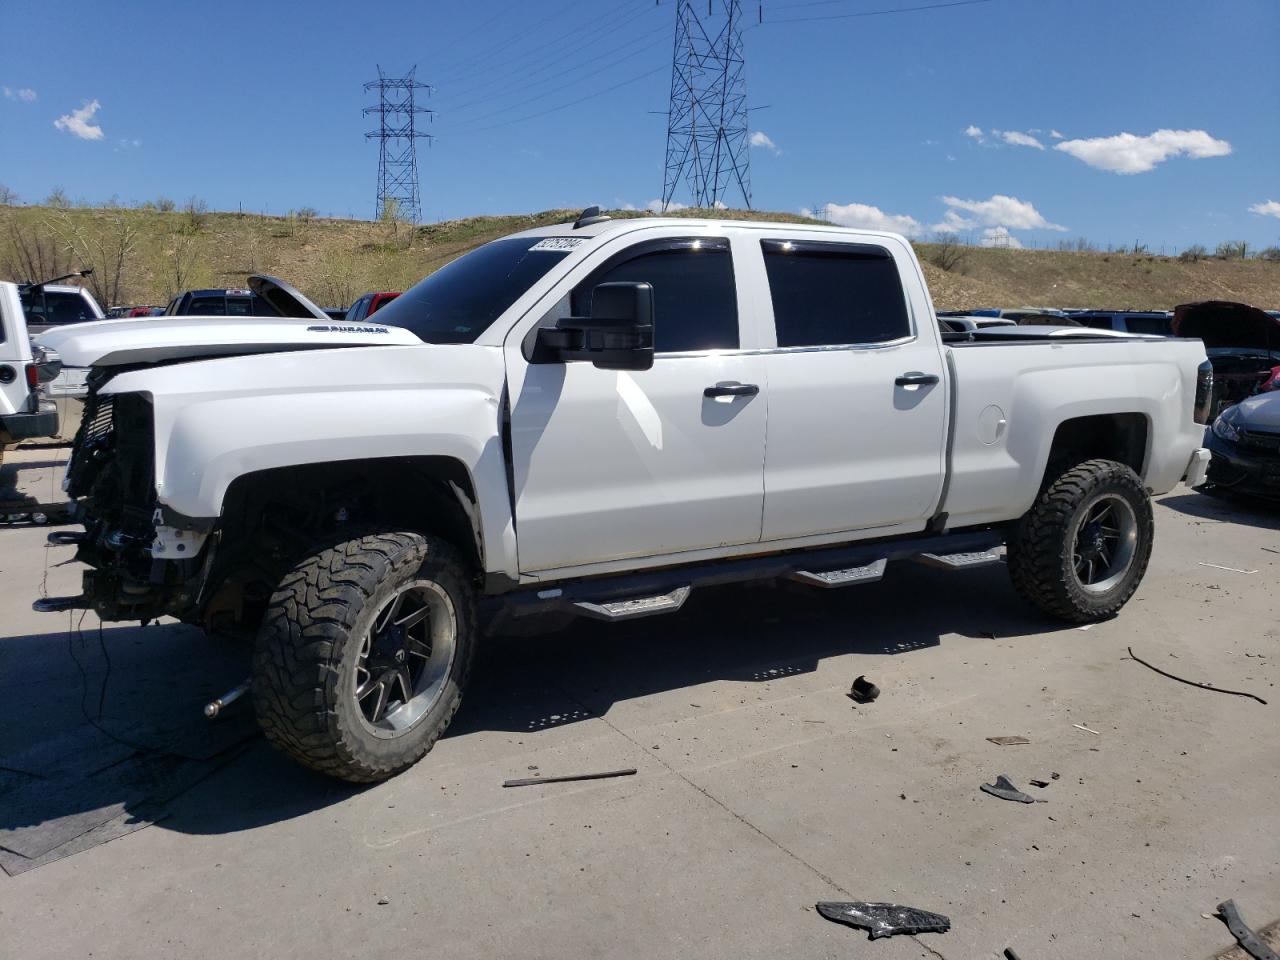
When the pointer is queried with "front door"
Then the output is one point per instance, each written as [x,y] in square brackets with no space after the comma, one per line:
[612,465]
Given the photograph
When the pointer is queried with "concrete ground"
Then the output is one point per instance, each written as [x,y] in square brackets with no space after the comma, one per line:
[761,788]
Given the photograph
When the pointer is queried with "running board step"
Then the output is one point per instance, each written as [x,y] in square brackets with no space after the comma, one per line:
[960,561]
[635,607]
[842,578]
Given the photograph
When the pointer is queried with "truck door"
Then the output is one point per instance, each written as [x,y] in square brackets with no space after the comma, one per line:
[857,391]
[612,464]
[15,354]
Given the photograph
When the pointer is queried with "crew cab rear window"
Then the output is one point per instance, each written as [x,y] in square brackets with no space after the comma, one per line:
[831,294]
[50,308]
[695,302]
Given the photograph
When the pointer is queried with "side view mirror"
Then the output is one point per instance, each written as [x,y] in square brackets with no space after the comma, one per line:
[617,336]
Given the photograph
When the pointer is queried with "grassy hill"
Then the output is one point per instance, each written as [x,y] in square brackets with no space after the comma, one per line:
[146,256]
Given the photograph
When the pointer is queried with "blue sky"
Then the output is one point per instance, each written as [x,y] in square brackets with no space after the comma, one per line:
[1156,120]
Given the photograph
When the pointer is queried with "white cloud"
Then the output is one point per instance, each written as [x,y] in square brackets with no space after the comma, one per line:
[77,122]
[867,217]
[996,211]
[974,132]
[1056,135]
[762,139]
[1017,139]
[655,206]
[1126,153]
[1000,237]
[1269,209]
[25,94]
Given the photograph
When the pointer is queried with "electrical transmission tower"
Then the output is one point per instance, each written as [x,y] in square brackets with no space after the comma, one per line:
[398,138]
[707,118]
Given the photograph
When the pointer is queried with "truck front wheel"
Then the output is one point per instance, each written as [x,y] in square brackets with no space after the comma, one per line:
[363,654]
[1081,550]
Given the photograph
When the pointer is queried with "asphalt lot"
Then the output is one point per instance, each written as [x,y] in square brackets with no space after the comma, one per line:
[761,787]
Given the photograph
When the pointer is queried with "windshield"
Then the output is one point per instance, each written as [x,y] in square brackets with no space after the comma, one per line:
[459,301]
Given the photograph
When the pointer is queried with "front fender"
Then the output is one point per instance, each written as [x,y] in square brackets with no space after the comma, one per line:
[218,420]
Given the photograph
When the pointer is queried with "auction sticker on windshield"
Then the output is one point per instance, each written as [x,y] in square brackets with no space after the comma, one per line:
[559,243]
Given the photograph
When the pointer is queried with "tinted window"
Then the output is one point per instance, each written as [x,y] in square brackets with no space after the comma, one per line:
[239,306]
[1098,323]
[356,312]
[50,308]
[263,308]
[459,301]
[834,293]
[206,307]
[695,304]
[1159,325]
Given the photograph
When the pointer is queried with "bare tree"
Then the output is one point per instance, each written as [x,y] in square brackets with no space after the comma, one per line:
[197,212]
[165,205]
[57,199]
[180,263]
[946,253]
[1194,253]
[8,198]
[33,252]
[106,244]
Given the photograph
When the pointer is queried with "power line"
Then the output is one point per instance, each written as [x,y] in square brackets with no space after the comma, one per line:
[606,54]
[571,103]
[871,13]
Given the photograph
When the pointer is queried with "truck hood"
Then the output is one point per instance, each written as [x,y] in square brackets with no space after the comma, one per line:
[112,343]
[1223,324]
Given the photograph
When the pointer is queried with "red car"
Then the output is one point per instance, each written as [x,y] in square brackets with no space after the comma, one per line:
[368,305]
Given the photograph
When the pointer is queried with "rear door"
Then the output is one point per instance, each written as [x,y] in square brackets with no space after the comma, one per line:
[857,390]
[620,464]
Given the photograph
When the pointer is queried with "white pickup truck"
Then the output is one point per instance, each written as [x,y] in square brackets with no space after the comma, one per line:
[595,418]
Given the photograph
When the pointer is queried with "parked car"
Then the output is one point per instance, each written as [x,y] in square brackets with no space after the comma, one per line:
[335,313]
[1039,316]
[572,420]
[1245,444]
[46,306]
[1243,344]
[24,413]
[219,303]
[368,305]
[1157,322]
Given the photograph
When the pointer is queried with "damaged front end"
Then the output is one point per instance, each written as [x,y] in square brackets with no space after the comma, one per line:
[143,561]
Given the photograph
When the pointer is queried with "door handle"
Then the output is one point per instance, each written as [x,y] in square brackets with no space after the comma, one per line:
[731,389]
[916,379]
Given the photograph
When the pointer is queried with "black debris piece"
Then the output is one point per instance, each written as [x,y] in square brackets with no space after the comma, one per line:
[863,691]
[1194,683]
[530,781]
[1040,783]
[1010,955]
[1005,790]
[884,919]
[1248,940]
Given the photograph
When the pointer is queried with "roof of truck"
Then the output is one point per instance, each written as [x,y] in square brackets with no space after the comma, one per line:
[628,224]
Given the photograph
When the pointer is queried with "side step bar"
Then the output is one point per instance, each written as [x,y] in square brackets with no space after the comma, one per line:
[637,606]
[960,561]
[842,578]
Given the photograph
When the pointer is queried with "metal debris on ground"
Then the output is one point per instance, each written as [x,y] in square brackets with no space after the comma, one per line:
[530,781]
[1193,683]
[1218,566]
[1010,955]
[1008,741]
[1005,790]
[863,691]
[884,919]
[1081,726]
[1249,941]
[1040,783]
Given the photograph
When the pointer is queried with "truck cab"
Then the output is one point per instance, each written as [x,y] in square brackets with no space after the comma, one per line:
[24,413]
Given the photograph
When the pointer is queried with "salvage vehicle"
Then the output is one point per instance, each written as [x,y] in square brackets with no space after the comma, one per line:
[24,414]
[596,418]
[45,306]
[369,304]
[219,303]
[1243,344]
[1245,445]
[1156,322]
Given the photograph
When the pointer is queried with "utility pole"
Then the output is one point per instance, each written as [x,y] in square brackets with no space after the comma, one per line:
[707,116]
[398,138]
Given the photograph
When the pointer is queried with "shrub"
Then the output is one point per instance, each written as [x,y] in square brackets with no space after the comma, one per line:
[1232,250]
[1193,254]
[1271,253]
[946,254]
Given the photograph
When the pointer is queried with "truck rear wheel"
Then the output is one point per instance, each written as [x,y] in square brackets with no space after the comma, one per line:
[364,652]
[1081,550]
